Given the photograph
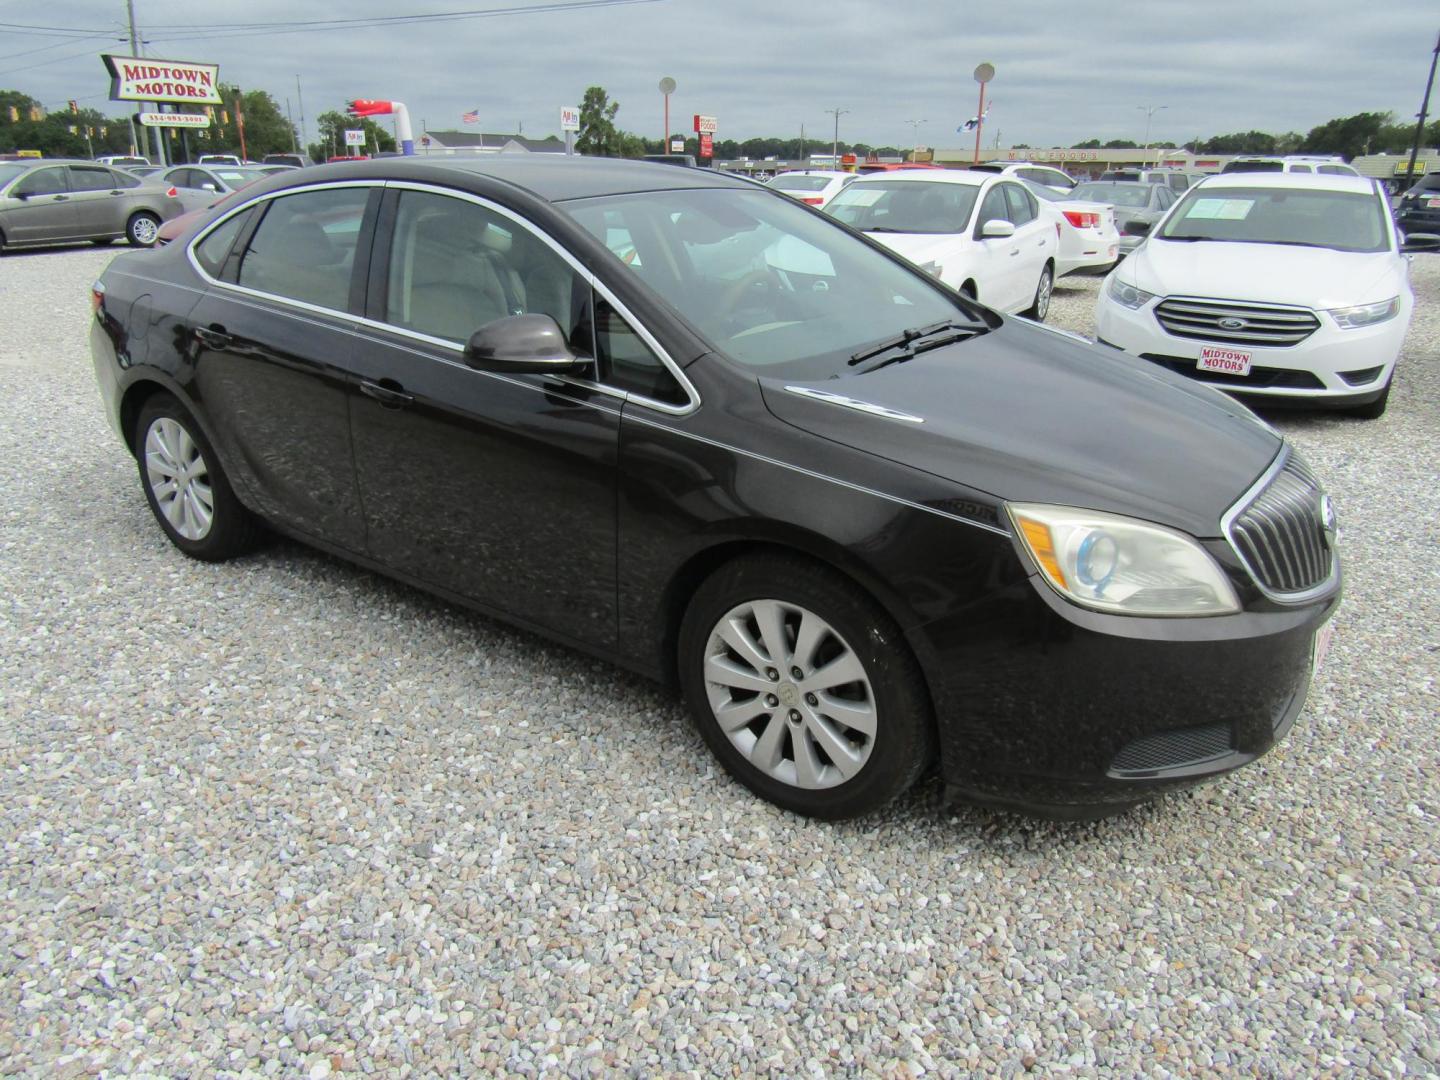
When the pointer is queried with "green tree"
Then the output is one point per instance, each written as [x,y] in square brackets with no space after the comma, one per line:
[266,129]
[1088,144]
[1121,144]
[1348,136]
[598,135]
[332,127]
[58,134]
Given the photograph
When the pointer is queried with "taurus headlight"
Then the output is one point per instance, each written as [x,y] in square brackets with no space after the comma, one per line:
[1127,295]
[1117,564]
[1352,318]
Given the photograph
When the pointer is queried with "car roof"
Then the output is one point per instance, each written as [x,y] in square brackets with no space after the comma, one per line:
[1363,185]
[553,177]
[1122,183]
[922,176]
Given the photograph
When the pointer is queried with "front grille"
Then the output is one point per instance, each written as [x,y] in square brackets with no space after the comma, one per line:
[1280,534]
[1260,378]
[1173,749]
[1259,324]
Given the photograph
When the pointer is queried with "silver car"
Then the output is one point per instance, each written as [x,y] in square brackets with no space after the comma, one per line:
[57,201]
[1137,206]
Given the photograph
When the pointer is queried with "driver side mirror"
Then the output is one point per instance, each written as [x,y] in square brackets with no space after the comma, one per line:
[523,345]
[996,228]
[1138,228]
[207,186]
[1419,242]
[21,195]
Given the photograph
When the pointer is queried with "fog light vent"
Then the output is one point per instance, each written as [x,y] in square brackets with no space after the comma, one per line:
[1172,749]
[1363,376]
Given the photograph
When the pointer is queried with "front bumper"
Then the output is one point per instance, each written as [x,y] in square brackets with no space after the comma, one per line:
[1342,367]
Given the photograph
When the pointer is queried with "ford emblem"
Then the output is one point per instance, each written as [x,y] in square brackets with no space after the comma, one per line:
[1232,323]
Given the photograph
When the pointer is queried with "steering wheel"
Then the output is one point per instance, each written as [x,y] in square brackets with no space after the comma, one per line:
[729,301]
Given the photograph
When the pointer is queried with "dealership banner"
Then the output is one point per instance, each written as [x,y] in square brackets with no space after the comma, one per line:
[138,78]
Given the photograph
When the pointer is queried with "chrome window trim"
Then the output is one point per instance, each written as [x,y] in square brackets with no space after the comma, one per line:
[595,284]
[856,404]
[1226,523]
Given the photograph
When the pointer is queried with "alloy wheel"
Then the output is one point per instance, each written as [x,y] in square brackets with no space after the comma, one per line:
[144,229]
[1042,295]
[179,478]
[790,694]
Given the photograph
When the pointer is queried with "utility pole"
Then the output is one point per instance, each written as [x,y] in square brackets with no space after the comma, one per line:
[802,143]
[300,98]
[294,144]
[1424,108]
[835,146]
[135,51]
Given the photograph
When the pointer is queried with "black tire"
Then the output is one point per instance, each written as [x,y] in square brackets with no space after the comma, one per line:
[903,744]
[1043,288]
[231,529]
[1373,410]
[140,230]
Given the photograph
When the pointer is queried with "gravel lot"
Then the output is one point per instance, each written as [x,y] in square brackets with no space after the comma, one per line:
[283,817]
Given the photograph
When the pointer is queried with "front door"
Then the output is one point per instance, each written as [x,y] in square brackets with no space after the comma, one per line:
[38,208]
[499,488]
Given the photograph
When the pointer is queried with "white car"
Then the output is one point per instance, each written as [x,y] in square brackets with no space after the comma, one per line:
[1089,237]
[1284,287]
[814,187]
[982,234]
[1028,170]
[1293,163]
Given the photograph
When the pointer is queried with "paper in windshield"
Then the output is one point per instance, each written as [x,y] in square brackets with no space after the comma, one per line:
[1221,209]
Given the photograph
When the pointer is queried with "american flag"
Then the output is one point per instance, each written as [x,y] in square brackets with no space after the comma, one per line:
[471,117]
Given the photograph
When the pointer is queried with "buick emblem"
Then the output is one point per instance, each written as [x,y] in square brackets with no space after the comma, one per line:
[1232,323]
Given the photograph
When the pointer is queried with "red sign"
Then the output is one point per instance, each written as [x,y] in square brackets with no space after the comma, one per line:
[707,145]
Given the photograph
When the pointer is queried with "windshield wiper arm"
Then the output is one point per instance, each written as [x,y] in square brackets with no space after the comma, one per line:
[907,340]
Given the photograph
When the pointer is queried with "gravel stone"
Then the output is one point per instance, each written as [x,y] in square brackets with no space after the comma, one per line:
[284,817]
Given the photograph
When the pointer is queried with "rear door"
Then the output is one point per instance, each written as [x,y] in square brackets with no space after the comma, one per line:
[98,199]
[38,207]
[273,340]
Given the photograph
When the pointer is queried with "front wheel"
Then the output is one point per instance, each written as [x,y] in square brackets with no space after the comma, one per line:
[804,688]
[142,229]
[185,486]
[1041,307]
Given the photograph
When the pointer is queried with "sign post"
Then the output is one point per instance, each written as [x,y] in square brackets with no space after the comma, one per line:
[354,137]
[667,87]
[983,74]
[569,123]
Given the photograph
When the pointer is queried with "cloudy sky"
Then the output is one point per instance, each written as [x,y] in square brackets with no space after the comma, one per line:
[1064,71]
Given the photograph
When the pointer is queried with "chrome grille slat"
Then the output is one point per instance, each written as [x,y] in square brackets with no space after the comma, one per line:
[1279,533]
[1200,319]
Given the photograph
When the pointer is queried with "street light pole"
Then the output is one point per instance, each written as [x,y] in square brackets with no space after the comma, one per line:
[915,136]
[835,146]
[1149,111]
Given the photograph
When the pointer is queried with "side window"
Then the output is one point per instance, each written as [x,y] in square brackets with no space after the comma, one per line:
[1300,168]
[304,248]
[456,265]
[1022,206]
[1335,170]
[1179,181]
[1164,197]
[628,363]
[123,179]
[181,178]
[212,251]
[91,178]
[43,182]
[993,208]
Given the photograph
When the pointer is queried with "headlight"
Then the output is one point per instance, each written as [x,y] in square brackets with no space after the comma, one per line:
[1128,295]
[1350,318]
[1116,564]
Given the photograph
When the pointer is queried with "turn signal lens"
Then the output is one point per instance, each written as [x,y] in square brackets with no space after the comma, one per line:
[1120,565]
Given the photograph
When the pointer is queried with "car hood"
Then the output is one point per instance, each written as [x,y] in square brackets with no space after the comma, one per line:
[1308,277]
[921,248]
[1029,414]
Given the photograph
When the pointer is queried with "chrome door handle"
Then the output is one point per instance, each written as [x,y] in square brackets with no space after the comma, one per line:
[213,337]
[391,396]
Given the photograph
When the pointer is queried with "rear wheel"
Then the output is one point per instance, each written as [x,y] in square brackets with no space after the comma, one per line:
[804,688]
[142,229]
[1041,307]
[185,486]
[1373,410]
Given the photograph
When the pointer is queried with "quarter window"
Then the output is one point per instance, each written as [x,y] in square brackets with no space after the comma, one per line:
[212,251]
[304,248]
[456,265]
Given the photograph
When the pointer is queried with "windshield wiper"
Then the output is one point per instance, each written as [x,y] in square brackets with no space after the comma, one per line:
[884,228]
[917,340]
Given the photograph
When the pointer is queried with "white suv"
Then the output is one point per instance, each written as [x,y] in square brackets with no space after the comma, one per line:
[1294,163]
[1281,286]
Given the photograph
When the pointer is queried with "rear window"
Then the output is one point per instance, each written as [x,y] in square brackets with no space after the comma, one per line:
[800,183]
[1120,194]
[1253,166]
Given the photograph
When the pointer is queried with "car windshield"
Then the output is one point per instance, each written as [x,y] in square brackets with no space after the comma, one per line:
[905,206]
[800,183]
[237,177]
[765,281]
[1343,220]
[9,171]
[1132,195]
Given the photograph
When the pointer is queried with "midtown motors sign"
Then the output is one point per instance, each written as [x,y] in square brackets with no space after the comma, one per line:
[137,78]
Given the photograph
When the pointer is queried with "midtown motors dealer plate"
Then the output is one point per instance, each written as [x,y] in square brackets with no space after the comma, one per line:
[1229,361]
